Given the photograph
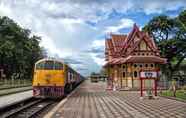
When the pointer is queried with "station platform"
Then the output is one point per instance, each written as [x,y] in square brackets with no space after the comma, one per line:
[13,98]
[92,100]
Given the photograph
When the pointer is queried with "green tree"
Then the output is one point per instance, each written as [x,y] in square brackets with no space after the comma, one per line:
[19,50]
[170,37]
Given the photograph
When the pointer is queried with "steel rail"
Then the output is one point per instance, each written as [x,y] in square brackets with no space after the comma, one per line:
[30,110]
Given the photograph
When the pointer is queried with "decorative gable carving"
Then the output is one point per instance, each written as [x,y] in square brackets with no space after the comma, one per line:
[136,39]
[143,45]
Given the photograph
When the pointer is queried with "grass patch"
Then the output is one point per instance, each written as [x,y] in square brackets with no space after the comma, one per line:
[14,86]
[180,94]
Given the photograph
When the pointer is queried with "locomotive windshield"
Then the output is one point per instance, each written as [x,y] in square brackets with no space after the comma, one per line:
[49,65]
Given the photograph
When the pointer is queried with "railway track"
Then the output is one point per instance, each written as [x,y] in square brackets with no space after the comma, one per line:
[30,108]
[27,109]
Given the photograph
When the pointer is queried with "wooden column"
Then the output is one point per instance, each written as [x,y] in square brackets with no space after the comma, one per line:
[141,90]
[120,75]
[155,87]
[131,65]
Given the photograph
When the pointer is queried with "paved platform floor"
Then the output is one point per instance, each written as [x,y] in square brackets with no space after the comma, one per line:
[12,98]
[92,101]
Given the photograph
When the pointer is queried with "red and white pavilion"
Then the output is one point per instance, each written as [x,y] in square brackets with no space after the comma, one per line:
[128,55]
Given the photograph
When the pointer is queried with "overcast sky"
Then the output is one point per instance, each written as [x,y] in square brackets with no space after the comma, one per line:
[75,30]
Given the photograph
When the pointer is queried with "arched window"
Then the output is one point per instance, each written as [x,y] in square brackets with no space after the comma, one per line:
[146,65]
[135,65]
[152,65]
[135,74]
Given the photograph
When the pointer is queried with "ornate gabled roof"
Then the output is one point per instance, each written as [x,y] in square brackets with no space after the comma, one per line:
[109,47]
[118,41]
[142,36]
[130,37]
[120,46]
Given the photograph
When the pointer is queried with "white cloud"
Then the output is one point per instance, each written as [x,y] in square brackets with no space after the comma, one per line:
[60,36]
[63,23]
[124,23]
[4,10]
[90,10]
[160,6]
[99,61]
[97,49]
[98,43]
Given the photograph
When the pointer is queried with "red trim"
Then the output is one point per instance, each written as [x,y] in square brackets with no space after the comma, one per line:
[48,91]
[138,59]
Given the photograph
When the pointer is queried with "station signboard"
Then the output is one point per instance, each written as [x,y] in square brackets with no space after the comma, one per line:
[148,74]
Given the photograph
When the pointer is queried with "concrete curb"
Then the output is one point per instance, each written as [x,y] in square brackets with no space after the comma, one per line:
[17,102]
[54,110]
[14,92]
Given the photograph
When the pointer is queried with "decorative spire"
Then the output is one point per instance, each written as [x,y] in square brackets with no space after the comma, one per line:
[135,26]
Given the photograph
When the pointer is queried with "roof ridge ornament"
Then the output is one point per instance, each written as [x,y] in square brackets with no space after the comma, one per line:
[135,26]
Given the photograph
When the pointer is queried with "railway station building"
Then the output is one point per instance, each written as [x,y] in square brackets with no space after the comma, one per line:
[127,55]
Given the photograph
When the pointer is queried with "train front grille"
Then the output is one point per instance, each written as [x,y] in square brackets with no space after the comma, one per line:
[48,91]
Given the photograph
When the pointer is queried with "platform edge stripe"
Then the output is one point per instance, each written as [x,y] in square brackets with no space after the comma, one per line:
[54,110]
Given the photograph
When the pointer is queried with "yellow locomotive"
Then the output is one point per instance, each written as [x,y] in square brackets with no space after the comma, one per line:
[54,78]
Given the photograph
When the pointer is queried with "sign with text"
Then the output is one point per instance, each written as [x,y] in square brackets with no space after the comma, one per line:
[148,74]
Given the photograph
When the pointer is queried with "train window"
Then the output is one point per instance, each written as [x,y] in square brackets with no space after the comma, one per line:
[49,65]
[40,65]
[58,66]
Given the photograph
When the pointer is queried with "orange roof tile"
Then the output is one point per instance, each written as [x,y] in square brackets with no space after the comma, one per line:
[118,41]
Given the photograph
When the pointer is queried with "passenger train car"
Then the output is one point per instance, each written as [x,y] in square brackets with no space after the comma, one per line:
[54,78]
